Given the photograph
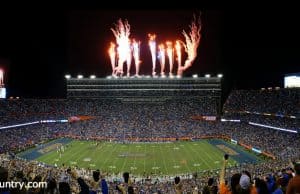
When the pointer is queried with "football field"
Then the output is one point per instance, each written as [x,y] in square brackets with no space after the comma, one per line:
[138,158]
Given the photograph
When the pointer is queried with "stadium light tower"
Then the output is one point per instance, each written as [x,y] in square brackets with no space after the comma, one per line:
[67,76]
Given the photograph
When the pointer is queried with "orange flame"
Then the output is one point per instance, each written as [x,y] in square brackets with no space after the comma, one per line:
[1,77]
[152,45]
[162,54]
[192,42]
[121,33]
[136,56]
[170,55]
[112,56]
[178,53]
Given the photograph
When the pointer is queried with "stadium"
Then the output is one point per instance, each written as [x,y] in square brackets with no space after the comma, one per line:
[158,133]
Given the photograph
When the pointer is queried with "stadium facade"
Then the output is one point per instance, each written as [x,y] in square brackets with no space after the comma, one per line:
[147,89]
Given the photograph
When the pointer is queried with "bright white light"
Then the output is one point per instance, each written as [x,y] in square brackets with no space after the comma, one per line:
[121,33]
[79,76]
[207,75]
[178,76]
[220,75]
[256,150]
[67,76]
[93,77]
[234,141]
[19,125]
[292,81]
[271,127]
[2,93]
[195,75]
[109,77]
[230,120]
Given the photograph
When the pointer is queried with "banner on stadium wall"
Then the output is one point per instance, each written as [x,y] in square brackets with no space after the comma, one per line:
[233,141]
[269,155]
[256,150]
[204,118]
[79,118]
[245,146]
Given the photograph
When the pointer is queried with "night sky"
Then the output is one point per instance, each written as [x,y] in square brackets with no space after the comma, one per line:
[252,48]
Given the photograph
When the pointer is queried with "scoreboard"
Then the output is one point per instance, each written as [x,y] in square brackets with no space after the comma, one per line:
[292,80]
[2,92]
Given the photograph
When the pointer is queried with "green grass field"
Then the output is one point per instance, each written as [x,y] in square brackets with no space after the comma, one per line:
[137,158]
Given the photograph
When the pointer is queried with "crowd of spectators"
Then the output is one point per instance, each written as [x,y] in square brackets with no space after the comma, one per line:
[28,110]
[281,144]
[275,174]
[282,101]
[274,121]
[112,119]
[279,108]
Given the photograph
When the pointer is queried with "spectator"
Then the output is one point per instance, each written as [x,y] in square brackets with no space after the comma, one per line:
[294,183]
[210,188]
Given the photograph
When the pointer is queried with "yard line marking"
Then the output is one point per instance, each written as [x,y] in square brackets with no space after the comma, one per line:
[98,150]
[185,164]
[145,158]
[82,156]
[164,161]
[199,157]
[174,161]
[124,163]
[115,146]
